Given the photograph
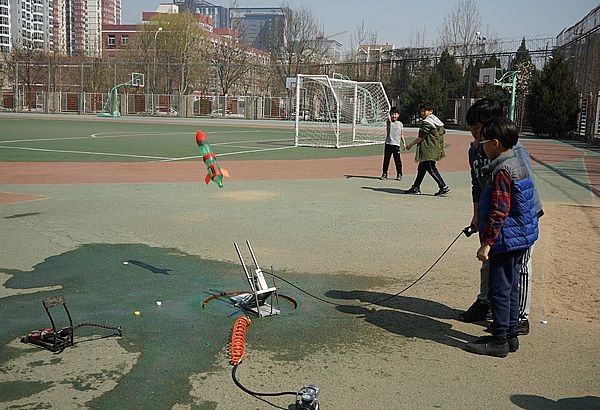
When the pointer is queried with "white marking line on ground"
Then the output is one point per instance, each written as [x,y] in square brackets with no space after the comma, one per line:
[228,153]
[88,153]
[94,136]
[136,134]
[100,135]
[44,139]
[248,141]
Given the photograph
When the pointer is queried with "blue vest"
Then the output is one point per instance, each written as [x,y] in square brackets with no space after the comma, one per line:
[520,229]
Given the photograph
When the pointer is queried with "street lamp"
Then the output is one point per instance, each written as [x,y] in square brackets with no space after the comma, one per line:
[158,30]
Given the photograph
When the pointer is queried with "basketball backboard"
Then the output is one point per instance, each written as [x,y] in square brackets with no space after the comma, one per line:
[290,83]
[487,75]
[137,79]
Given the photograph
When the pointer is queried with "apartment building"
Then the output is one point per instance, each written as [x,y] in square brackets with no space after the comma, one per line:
[71,27]
[26,23]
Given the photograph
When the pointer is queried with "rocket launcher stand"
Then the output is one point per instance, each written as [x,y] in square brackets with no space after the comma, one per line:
[256,301]
[54,339]
[51,338]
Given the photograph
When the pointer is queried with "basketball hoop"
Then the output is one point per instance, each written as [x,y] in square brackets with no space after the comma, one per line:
[137,80]
[479,85]
[290,83]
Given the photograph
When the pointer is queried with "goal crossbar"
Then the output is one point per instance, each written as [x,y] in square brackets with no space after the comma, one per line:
[338,113]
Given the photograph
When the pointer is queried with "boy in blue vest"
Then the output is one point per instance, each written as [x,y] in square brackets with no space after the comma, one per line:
[507,225]
[480,112]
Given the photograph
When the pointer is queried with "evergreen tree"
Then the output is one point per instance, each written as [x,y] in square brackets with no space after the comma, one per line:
[522,63]
[416,91]
[451,74]
[438,84]
[552,104]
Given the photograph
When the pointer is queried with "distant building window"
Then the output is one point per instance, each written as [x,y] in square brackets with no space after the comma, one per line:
[111,40]
[124,40]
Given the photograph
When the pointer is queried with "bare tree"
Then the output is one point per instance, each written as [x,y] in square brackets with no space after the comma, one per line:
[230,56]
[173,48]
[417,38]
[293,42]
[28,67]
[461,31]
[361,36]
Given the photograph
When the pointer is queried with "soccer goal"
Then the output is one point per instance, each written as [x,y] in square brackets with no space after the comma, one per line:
[337,113]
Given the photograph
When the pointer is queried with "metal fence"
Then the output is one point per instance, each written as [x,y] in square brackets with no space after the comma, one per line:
[83,87]
[580,44]
[57,102]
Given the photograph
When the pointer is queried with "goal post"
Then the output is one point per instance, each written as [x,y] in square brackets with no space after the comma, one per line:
[338,113]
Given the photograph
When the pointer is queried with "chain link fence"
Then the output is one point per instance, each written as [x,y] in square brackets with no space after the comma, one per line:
[580,44]
[85,87]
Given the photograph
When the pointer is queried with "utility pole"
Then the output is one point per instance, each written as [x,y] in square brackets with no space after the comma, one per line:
[158,30]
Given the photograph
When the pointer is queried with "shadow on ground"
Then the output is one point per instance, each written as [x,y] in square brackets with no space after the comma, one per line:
[403,315]
[532,402]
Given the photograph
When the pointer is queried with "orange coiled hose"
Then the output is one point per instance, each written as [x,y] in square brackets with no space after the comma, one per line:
[238,339]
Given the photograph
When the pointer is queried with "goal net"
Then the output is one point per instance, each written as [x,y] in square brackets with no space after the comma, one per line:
[337,113]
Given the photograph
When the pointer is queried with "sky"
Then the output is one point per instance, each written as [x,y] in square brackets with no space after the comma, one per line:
[400,22]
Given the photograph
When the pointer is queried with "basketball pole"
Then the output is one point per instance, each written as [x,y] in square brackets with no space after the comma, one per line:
[509,80]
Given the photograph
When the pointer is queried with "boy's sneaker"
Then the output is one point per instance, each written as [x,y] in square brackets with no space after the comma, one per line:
[490,346]
[523,328]
[413,190]
[478,311]
[443,191]
[513,344]
[383,176]
[399,177]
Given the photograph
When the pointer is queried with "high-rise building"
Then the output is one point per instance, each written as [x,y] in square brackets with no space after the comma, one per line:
[5,36]
[72,27]
[26,24]
[86,27]
[111,11]
[255,23]
[219,14]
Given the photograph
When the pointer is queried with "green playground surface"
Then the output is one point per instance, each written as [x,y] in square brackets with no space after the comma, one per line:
[93,139]
[346,243]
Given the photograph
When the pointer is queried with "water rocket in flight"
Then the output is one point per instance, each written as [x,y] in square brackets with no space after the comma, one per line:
[215,172]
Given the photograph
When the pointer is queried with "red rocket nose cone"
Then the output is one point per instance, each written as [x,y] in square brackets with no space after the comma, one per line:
[200,137]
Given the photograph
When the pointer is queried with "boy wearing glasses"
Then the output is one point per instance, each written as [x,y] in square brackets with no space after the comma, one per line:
[481,111]
[508,227]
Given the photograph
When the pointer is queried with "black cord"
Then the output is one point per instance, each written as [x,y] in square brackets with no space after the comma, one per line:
[253,393]
[109,327]
[467,231]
